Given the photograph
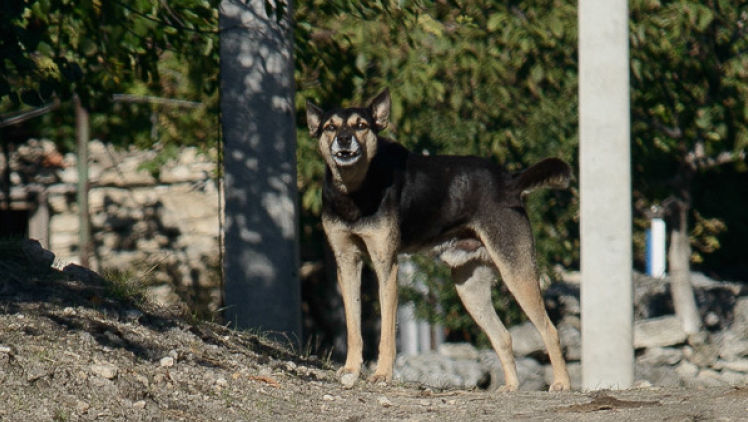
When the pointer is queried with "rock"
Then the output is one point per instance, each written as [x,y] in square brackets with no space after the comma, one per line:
[328,397]
[732,346]
[82,407]
[439,371]
[132,315]
[458,351]
[384,401]
[571,339]
[711,319]
[530,372]
[106,370]
[166,361]
[740,317]
[657,356]
[575,374]
[709,378]
[740,365]
[661,375]
[348,380]
[733,378]
[36,254]
[686,370]
[658,332]
[526,340]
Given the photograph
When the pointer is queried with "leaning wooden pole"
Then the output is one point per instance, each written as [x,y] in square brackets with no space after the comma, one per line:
[605,195]
[82,135]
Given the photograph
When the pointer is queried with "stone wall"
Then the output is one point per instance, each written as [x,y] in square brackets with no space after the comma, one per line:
[665,355]
[161,229]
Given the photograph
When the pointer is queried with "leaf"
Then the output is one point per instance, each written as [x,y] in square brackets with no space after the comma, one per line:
[557,26]
[430,25]
[267,379]
[87,47]
[495,21]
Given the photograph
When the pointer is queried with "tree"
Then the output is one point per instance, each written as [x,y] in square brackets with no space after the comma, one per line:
[54,49]
[688,108]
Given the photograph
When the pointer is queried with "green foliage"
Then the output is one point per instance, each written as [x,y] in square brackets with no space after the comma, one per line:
[476,77]
[494,79]
[689,102]
[54,49]
[499,79]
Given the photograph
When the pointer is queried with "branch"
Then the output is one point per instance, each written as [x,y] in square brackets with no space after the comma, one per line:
[698,159]
[164,23]
[674,132]
[148,99]
[26,115]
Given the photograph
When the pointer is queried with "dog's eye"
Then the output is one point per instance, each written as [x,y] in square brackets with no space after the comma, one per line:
[329,128]
[361,125]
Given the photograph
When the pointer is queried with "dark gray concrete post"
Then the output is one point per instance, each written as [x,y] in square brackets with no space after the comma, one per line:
[261,257]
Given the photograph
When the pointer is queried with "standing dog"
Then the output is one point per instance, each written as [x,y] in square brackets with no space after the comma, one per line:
[379,199]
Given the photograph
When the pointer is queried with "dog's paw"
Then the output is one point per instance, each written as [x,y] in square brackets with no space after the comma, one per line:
[560,386]
[347,377]
[507,388]
[380,378]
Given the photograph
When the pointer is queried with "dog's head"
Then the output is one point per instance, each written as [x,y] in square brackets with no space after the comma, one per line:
[347,137]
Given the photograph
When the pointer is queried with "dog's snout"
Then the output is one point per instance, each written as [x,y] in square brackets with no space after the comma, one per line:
[345,140]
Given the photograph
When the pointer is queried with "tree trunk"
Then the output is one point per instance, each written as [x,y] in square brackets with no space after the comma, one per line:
[679,256]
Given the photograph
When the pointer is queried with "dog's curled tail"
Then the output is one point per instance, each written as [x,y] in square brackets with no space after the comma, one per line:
[549,173]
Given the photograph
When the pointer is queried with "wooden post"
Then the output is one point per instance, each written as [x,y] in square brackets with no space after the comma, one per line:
[605,195]
[261,280]
[82,131]
[39,219]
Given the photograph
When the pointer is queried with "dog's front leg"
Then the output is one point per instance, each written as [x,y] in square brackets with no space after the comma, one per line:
[386,269]
[349,281]
[348,258]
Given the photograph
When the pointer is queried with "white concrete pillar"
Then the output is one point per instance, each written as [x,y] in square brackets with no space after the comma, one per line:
[407,329]
[605,192]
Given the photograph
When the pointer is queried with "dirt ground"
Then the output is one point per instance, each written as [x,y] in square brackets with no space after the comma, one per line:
[74,347]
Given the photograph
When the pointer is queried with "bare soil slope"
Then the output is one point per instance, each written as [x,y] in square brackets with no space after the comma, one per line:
[74,346]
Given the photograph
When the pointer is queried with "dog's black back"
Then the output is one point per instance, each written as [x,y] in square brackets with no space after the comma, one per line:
[456,189]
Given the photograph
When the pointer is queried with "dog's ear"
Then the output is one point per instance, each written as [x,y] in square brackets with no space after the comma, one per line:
[380,109]
[313,117]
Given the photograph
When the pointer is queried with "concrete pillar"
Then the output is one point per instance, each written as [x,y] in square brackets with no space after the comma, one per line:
[605,192]
[261,257]
[407,329]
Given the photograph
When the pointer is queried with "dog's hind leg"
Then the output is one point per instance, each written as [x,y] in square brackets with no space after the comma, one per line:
[473,282]
[509,241]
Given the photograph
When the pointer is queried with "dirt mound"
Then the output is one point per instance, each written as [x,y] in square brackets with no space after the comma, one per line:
[75,346]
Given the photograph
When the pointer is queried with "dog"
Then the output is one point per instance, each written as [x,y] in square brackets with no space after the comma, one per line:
[380,200]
